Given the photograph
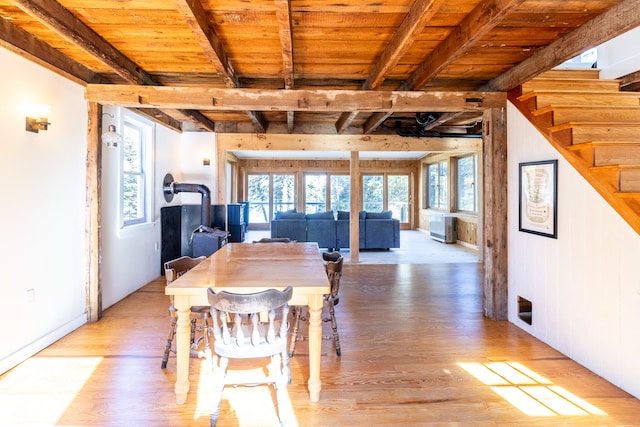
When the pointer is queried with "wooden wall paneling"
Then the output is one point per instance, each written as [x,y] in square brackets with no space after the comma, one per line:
[494,245]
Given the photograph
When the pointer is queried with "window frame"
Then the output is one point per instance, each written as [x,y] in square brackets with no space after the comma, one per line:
[146,132]
[474,157]
[444,163]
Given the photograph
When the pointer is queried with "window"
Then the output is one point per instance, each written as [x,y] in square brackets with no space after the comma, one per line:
[398,196]
[284,195]
[315,193]
[136,171]
[340,192]
[261,188]
[467,197]
[437,185]
[258,192]
[373,193]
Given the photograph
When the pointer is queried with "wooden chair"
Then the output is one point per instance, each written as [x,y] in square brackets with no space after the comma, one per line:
[239,333]
[331,256]
[172,270]
[274,240]
[334,273]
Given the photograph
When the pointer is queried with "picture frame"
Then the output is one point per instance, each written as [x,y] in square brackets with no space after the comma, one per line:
[538,198]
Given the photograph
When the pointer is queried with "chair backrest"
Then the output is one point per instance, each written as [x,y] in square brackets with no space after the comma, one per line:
[331,256]
[177,267]
[334,273]
[246,336]
[274,240]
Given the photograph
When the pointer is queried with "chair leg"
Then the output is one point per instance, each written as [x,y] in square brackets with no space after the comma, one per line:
[334,326]
[294,332]
[218,386]
[281,363]
[167,349]
[207,346]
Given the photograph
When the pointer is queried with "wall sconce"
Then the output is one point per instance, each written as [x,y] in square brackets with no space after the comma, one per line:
[37,118]
[206,161]
[111,138]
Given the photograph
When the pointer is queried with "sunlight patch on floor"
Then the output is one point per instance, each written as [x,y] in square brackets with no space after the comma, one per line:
[39,390]
[242,405]
[531,393]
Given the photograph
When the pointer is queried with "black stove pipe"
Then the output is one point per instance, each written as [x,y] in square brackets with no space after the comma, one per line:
[205,207]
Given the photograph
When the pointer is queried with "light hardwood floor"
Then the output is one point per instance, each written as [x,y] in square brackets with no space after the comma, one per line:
[416,350]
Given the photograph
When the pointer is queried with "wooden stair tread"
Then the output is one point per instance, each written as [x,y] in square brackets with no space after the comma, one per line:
[577,84]
[599,143]
[569,93]
[549,108]
[585,73]
[574,125]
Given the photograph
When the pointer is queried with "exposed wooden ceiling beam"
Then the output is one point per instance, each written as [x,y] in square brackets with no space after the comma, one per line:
[217,99]
[19,41]
[485,16]
[59,19]
[63,22]
[160,117]
[310,142]
[196,18]
[615,21]
[413,24]
[283,15]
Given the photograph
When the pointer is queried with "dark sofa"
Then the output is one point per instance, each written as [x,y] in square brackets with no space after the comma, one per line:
[378,230]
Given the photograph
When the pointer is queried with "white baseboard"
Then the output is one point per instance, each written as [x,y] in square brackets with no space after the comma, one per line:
[43,342]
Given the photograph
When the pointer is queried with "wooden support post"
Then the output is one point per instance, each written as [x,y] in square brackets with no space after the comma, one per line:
[93,212]
[355,206]
[495,242]
[221,172]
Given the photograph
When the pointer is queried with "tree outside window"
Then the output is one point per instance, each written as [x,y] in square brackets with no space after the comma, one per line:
[315,193]
[373,193]
[340,192]
[438,185]
[133,205]
[398,196]
[467,197]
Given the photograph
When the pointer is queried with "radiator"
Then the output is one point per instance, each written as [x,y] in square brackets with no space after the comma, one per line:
[443,228]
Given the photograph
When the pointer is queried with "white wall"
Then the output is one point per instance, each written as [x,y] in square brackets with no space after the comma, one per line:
[585,285]
[42,218]
[616,58]
[195,146]
[131,255]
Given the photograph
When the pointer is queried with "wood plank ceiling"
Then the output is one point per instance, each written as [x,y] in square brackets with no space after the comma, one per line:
[298,66]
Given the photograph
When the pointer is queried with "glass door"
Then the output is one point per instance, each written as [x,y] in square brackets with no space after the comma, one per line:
[267,194]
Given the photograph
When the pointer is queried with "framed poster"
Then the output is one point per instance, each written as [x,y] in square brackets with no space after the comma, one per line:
[539,198]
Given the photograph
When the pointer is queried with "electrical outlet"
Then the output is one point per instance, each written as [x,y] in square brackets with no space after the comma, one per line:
[31,296]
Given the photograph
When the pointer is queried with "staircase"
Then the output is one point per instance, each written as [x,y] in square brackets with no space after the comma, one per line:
[595,127]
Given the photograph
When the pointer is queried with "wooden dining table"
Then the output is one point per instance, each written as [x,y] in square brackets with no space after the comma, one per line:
[248,268]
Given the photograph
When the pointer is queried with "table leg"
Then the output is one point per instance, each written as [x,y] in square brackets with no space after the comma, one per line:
[315,346]
[183,333]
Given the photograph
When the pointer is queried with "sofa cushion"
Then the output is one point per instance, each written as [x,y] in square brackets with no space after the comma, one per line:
[379,215]
[345,215]
[290,215]
[321,215]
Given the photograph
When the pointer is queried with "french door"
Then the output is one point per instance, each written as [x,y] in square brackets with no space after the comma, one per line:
[387,192]
[268,193]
